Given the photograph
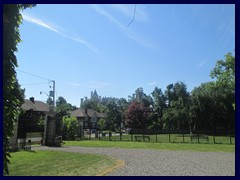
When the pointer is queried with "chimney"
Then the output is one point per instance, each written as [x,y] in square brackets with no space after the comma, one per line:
[32,99]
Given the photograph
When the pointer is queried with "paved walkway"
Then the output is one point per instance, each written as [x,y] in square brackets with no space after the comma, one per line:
[142,162]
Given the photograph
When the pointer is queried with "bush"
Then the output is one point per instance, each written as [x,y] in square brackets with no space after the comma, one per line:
[70,128]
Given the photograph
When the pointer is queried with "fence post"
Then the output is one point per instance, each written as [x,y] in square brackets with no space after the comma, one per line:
[156,137]
[131,136]
[169,138]
[198,138]
[99,135]
[183,138]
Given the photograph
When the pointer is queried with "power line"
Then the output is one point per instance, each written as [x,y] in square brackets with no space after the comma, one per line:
[34,83]
[34,75]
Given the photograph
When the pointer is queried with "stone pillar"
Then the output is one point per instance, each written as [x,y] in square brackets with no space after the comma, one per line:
[49,129]
[81,129]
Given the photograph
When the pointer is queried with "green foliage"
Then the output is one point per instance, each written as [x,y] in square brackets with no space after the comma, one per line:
[113,116]
[224,72]
[159,104]
[50,101]
[102,123]
[175,116]
[70,127]
[211,107]
[63,106]
[12,95]
[212,103]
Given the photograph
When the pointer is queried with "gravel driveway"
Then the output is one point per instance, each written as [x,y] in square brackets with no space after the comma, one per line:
[143,162]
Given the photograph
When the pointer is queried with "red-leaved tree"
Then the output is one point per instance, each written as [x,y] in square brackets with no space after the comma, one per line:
[137,115]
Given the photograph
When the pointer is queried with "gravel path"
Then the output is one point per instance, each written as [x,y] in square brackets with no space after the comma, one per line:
[142,162]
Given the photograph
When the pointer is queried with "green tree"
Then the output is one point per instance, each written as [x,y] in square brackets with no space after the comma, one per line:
[113,116]
[175,116]
[89,104]
[102,123]
[70,127]
[63,106]
[50,101]
[211,108]
[159,104]
[12,95]
[224,73]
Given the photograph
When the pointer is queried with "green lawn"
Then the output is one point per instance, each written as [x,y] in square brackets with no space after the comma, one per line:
[153,145]
[53,163]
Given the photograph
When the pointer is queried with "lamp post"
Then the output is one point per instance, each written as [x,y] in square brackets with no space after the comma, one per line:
[51,93]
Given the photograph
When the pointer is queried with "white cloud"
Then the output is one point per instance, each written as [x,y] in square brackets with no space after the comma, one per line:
[54,29]
[74,84]
[98,85]
[152,83]
[201,64]
[38,22]
[91,84]
[125,30]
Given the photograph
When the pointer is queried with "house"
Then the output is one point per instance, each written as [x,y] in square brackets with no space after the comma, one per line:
[29,128]
[87,117]
[37,106]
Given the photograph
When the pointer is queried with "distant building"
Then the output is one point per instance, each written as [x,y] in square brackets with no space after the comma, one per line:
[87,117]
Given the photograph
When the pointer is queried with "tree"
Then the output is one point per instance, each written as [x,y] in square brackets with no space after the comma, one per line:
[63,106]
[159,104]
[137,116]
[50,101]
[89,104]
[175,116]
[12,95]
[102,123]
[224,73]
[113,116]
[70,127]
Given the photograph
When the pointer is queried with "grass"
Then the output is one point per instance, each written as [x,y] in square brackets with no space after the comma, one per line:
[54,163]
[153,145]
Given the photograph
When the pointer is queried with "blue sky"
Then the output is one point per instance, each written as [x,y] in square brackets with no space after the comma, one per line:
[88,47]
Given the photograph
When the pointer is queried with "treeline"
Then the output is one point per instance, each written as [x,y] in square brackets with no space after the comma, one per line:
[208,107]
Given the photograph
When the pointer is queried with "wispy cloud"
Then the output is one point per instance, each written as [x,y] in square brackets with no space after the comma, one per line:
[39,22]
[201,64]
[125,30]
[91,84]
[152,83]
[128,10]
[54,29]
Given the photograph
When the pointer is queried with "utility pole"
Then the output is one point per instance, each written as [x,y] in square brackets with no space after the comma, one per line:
[53,94]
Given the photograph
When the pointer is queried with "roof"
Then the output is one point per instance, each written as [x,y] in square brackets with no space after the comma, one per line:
[82,113]
[35,106]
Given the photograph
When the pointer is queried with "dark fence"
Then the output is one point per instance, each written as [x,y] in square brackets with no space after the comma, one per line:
[139,135]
